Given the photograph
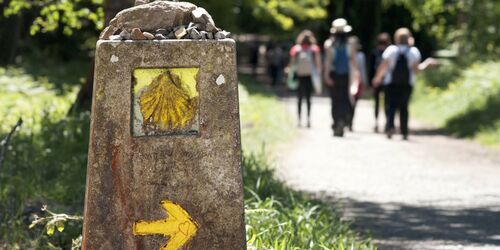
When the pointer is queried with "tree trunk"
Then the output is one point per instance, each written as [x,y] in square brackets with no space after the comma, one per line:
[84,97]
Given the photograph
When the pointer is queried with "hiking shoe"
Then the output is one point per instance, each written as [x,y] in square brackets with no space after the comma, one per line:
[308,123]
[390,133]
[375,129]
[338,129]
[405,137]
[338,133]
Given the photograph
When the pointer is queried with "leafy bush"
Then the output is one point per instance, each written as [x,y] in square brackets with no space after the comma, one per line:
[466,104]
[45,162]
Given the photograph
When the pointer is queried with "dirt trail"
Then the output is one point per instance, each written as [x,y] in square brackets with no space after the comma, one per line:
[431,192]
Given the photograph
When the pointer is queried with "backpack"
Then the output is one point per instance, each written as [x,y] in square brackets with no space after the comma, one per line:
[304,62]
[401,71]
[341,60]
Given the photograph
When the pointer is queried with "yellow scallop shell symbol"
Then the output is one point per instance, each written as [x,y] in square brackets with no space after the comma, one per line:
[165,104]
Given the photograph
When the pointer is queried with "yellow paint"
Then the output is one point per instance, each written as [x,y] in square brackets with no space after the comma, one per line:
[144,77]
[167,97]
[179,226]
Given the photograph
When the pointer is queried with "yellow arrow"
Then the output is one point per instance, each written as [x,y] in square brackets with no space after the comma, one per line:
[179,226]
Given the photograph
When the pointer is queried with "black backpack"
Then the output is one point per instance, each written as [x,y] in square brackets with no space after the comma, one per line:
[401,71]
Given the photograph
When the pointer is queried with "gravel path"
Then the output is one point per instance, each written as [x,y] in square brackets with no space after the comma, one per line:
[431,192]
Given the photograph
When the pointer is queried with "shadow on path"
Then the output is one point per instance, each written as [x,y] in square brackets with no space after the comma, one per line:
[401,222]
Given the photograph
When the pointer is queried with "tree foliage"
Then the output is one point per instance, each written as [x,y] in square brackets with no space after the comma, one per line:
[286,13]
[51,14]
[468,26]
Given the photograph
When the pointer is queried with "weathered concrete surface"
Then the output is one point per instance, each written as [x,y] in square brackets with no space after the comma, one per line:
[129,176]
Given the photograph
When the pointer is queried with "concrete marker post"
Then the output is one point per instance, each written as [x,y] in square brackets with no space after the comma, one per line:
[164,155]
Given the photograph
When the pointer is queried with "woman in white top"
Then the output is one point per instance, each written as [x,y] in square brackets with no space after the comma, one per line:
[401,63]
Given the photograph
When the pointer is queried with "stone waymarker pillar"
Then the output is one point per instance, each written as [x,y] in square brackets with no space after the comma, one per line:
[164,155]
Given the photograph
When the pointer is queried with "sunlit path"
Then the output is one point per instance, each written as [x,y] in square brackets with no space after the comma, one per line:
[432,192]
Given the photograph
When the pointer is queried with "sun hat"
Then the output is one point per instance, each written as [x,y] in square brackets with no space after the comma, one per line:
[340,25]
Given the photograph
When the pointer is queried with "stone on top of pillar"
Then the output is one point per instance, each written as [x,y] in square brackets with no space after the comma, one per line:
[162,18]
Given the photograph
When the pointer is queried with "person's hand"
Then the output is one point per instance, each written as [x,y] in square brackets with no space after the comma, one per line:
[431,62]
[428,63]
[328,81]
[376,82]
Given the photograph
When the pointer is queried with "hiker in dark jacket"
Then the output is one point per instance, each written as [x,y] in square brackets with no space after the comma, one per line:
[401,63]
[340,66]
[383,41]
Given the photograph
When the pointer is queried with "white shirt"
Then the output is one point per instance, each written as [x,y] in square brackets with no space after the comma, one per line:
[391,54]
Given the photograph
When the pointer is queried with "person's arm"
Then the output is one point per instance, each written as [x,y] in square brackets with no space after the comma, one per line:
[381,71]
[317,61]
[292,60]
[356,77]
[427,63]
[372,69]
[327,63]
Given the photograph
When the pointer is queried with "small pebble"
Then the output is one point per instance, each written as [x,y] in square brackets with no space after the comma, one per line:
[160,37]
[222,35]
[204,34]
[210,27]
[191,25]
[148,35]
[219,35]
[163,32]
[210,35]
[137,34]
[194,34]
[115,38]
[180,32]
[125,34]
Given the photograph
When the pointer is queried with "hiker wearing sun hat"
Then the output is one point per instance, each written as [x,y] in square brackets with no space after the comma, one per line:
[340,66]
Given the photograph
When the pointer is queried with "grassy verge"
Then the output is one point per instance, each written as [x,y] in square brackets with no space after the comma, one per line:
[46,159]
[463,101]
[276,216]
[46,164]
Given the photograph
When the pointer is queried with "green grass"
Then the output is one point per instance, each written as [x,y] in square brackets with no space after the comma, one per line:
[46,164]
[465,101]
[264,122]
[46,161]
[278,217]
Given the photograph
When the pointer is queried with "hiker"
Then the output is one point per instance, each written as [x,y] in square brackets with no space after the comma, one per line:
[383,41]
[254,56]
[397,71]
[340,63]
[275,59]
[357,87]
[306,59]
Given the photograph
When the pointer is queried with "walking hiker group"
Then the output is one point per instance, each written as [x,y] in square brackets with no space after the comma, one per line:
[344,71]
